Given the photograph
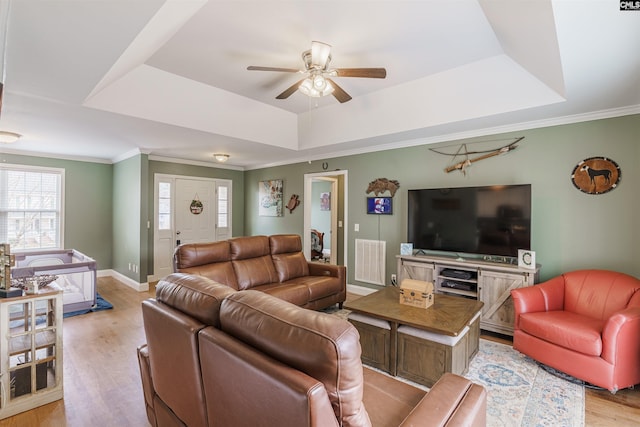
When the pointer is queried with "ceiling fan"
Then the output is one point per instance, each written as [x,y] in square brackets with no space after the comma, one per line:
[317,81]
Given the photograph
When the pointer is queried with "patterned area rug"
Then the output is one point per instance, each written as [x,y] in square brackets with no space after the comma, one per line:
[520,393]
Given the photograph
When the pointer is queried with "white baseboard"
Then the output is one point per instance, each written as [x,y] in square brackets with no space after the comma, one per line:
[140,287]
[361,290]
[143,287]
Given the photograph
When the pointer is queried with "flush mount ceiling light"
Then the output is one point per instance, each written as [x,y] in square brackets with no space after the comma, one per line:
[8,137]
[221,157]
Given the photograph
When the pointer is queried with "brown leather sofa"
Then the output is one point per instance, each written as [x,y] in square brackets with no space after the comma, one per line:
[219,357]
[585,323]
[271,264]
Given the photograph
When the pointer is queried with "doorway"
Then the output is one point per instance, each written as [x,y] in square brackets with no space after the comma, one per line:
[187,210]
[325,210]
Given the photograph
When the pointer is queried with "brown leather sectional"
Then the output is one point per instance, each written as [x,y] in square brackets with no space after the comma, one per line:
[271,264]
[216,356]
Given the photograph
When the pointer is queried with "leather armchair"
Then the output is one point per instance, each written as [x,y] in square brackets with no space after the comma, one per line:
[585,323]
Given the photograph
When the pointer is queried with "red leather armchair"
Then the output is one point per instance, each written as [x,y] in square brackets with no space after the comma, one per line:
[585,323]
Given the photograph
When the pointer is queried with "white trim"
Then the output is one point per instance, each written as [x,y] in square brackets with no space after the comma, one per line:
[194,163]
[306,239]
[140,287]
[450,137]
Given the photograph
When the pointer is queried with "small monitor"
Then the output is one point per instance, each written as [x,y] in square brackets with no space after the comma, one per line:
[380,205]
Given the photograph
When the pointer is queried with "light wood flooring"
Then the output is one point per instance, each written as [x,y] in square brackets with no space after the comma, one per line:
[102,381]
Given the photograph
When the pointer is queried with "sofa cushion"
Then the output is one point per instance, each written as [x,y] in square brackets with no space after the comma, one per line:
[254,272]
[297,294]
[321,345]
[290,265]
[565,329]
[318,286]
[195,254]
[249,247]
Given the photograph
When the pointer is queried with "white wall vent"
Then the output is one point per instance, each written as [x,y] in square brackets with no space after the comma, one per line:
[370,261]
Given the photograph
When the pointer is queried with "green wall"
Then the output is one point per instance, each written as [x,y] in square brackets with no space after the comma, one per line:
[107,206]
[570,229]
[127,196]
[88,224]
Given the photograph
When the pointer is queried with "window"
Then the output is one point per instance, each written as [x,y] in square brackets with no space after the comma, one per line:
[164,206]
[223,203]
[31,207]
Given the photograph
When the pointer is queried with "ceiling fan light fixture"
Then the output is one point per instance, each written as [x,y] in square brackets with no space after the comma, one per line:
[8,137]
[320,54]
[221,157]
[316,87]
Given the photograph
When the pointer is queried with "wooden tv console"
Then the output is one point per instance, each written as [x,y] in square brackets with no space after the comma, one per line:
[489,282]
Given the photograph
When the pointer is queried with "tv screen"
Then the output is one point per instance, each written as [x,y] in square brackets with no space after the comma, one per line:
[492,220]
[380,205]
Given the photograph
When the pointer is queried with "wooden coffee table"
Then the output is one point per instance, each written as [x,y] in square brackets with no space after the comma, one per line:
[419,344]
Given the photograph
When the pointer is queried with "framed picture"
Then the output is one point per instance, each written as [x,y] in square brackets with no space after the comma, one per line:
[325,201]
[270,196]
[380,205]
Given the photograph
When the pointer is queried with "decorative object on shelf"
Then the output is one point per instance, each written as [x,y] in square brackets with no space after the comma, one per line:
[381,185]
[416,293]
[596,175]
[462,151]
[6,262]
[270,197]
[526,258]
[406,248]
[33,282]
[294,201]
[196,206]
[325,201]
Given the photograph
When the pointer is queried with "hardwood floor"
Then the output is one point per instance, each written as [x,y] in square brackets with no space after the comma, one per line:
[102,380]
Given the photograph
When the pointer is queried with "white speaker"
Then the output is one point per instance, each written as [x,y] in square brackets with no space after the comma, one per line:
[526,258]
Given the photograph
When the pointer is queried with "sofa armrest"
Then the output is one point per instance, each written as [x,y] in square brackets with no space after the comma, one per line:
[620,344]
[321,269]
[452,401]
[547,296]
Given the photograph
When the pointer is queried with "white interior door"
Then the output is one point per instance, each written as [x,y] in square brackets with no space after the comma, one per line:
[178,219]
[195,225]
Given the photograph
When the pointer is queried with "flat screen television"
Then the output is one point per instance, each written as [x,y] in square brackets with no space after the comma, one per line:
[491,220]
[380,205]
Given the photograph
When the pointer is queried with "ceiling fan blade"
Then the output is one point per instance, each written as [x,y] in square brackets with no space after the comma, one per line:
[374,73]
[339,93]
[320,53]
[286,70]
[289,91]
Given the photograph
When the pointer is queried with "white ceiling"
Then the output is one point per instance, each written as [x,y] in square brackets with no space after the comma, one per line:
[102,79]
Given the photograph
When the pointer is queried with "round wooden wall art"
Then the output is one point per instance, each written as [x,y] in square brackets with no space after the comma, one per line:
[596,175]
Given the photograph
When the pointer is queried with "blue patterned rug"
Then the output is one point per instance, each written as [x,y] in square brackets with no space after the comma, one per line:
[101,304]
[521,393]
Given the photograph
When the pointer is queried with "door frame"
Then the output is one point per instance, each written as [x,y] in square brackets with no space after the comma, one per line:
[172,178]
[308,181]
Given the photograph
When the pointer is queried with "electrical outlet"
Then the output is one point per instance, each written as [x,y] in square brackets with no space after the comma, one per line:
[394,280]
